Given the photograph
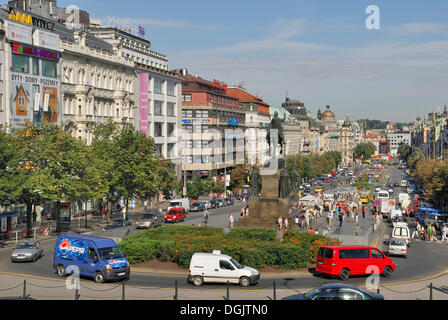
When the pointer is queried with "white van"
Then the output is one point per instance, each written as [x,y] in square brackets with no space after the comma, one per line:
[383,194]
[183,203]
[217,267]
[401,231]
[403,196]
[403,183]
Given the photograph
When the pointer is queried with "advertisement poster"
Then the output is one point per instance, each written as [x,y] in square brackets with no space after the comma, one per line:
[30,95]
[144,79]
[4,224]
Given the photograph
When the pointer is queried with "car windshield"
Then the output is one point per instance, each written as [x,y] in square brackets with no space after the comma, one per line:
[236,264]
[397,243]
[311,294]
[110,253]
[175,204]
[148,216]
[25,245]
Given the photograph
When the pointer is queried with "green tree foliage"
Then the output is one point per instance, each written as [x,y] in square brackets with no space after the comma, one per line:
[404,151]
[308,166]
[364,150]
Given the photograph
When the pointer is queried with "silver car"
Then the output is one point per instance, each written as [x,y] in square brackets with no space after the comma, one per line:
[30,250]
[150,220]
[398,247]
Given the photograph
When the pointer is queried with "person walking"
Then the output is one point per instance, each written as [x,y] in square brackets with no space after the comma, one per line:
[363,210]
[280,223]
[444,229]
[145,204]
[416,230]
[341,219]
[296,221]
[231,221]
[357,230]
[286,223]
[205,217]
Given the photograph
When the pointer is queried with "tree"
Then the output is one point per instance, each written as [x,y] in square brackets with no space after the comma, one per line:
[364,150]
[414,158]
[238,177]
[404,151]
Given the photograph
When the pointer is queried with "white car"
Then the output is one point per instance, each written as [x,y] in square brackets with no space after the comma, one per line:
[397,247]
[401,231]
[217,267]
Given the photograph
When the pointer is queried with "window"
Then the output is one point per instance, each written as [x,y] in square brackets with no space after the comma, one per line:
[170,88]
[170,129]
[226,265]
[186,97]
[187,128]
[354,254]
[35,67]
[326,253]
[158,107]
[331,294]
[158,84]
[158,129]
[49,69]
[20,63]
[170,150]
[376,254]
[92,254]
[159,148]
[170,109]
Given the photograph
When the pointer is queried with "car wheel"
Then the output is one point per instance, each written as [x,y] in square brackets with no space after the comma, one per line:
[387,271]
[198,281]
[60,271]
[344,275]
[34,258]
[98,278]
[244,282]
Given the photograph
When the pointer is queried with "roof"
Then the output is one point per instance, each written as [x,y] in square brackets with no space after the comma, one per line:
[100,242]
[281,111]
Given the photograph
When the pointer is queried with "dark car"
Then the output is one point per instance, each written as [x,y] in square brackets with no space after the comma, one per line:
[229,201]
[221,202]
[337,292]
[396,185]
[118,224]
[214,204]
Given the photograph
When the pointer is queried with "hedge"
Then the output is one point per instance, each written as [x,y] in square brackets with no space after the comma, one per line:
[255,247]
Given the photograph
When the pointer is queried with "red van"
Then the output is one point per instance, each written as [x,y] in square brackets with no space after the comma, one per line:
[344,261]
[177,214]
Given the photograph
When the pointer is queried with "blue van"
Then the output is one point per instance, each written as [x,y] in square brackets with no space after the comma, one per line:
[96,257]
[424,213]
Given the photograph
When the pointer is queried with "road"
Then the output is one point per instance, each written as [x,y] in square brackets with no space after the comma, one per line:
[424,260]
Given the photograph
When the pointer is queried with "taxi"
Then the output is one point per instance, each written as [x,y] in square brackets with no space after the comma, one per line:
[319,189]
[366,198]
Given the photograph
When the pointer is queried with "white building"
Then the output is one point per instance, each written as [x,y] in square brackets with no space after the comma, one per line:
[158,91]
[395,139]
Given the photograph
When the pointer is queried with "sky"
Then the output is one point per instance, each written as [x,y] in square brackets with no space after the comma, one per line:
[319,52]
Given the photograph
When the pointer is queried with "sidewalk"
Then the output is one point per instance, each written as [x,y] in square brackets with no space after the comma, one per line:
[47,289]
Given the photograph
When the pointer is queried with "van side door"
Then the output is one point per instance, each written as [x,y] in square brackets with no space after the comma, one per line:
[227,271]
[92,261]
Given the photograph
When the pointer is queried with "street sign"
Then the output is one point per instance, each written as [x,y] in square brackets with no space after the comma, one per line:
[377,203]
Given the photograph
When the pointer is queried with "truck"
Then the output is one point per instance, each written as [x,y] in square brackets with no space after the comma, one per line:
[387,205]
[95,257]
[182,203]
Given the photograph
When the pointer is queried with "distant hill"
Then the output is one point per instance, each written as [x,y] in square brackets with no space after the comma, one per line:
[380,125]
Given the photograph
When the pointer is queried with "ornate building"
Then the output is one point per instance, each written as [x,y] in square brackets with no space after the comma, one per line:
[347,140]
[330,123]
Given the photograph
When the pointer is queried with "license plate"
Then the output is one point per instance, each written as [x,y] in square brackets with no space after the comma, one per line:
[121,274]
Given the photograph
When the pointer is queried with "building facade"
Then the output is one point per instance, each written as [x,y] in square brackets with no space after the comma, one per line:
[213,128]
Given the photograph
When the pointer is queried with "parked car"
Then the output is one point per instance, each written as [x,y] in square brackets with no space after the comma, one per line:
[336,292]
[175,215]
[27,251]
[397,247]
[217,267]
[197,206]
[344,261]
[221,202]
[150,220]
[214,204]
[229,201]
[118,224]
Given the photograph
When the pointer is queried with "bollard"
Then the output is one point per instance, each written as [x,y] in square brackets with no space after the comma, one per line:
[430,291]
[123,296]
[228,290]
[24,289]
[175,291]
[76,295]
[275,292]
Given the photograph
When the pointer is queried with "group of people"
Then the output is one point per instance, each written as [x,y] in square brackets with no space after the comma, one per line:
[429,232]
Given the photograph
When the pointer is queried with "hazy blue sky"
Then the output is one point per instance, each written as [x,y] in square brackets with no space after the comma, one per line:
[319,51]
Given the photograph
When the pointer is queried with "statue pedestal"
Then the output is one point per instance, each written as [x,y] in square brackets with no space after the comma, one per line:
[265,210]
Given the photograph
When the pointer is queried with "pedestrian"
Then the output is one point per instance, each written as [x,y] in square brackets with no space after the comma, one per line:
[310,230]
[145,204]
[416,230]
[296,221]
[242,211]
[357,230]
[356,218]
[341,218]
[103,213]
[286,223]
[280,223]
[231,221]
[316,232]
[205,217]
[363,212]
[444,229]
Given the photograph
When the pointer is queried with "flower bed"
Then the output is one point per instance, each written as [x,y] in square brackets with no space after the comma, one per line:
[255,247]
